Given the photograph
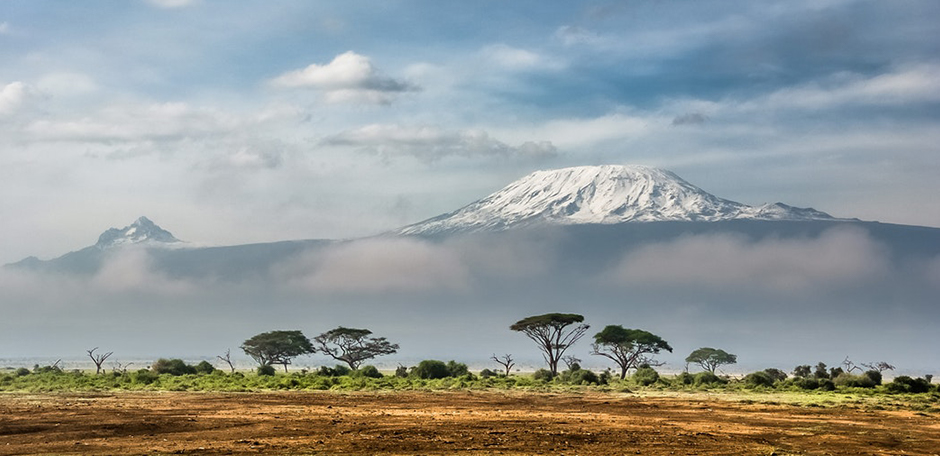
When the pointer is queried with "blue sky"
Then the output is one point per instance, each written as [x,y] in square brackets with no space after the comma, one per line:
[234,122]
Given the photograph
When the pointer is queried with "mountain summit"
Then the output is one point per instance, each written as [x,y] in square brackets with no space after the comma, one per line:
[605,194]
[142,231]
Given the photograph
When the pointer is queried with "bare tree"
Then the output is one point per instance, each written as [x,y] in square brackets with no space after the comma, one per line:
[880,366]
[505,361]
[849,366]
[122,368]
[228,359]
[98,359]
[571,360]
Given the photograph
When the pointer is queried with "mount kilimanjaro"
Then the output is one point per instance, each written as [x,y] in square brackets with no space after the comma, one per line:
[599,211]
[609,194]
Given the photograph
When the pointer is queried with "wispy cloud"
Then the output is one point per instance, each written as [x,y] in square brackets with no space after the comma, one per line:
[172,3]
[429,143]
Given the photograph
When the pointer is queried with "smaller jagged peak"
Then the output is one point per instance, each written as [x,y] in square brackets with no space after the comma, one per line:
[142,231]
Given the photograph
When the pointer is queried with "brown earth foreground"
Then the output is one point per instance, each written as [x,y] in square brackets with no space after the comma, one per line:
[446,423]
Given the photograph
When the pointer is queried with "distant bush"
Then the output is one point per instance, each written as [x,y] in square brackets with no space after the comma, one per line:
[645,376]
[684,378]
[708,378]
[266,370]
[401,371]
[455,369]
[854,381]
[21,372]
[486,373]
[905,384]
[776,375]
[874,375]
[544,375]
[144,377]
[756,379]
[578,376]
[431,369]
[336,371]
[204,367]
[37,369]
[370,372]
[172,367]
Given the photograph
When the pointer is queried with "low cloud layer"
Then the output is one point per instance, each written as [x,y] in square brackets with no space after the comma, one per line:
[717,289]
[838,258]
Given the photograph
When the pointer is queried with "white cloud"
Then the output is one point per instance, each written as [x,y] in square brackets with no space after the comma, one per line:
[349,77]
[908,85]
[432,143]
[4,28]
[13,96]
[516,59]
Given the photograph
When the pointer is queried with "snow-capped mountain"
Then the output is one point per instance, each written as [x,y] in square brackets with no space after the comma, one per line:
[605,194]
[142,231]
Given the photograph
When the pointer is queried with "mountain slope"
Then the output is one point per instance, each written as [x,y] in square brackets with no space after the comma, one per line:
[601,195]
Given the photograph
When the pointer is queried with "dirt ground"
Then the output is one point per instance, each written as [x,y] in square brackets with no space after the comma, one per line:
[447,423]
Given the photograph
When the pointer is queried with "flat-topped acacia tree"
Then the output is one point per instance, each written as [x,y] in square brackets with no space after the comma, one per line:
[552,334]
[628,347]
[353,346]
[710,358]
[277,347]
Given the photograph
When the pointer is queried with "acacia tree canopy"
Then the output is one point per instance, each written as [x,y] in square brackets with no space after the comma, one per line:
[353,346]
[627,347]
[277,347]
[552,335]
[710,358]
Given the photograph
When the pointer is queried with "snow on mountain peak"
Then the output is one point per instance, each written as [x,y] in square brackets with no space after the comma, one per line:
[142,231]
[604,194]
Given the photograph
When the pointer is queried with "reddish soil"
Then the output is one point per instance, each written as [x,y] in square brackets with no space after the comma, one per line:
[446,423]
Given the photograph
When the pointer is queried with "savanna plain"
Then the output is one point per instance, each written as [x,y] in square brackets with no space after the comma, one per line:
[286,415]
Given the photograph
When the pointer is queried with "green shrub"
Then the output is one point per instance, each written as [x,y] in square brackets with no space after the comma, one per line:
[544,375]
[456,369]
[370,372]
[708,378]
[21,372]
[645,376]
[431,369]
[775,374]
[905,384]
[756,379]
[401,371]
[172,366]
[37,369]
[578,376]
[684,378]
[874,375]
[853,381]
[266,370]
[144,377]
[335,371]
[204,367]
[486,373]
